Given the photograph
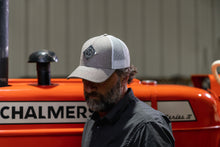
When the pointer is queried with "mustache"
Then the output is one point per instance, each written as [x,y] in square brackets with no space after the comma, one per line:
[94,94]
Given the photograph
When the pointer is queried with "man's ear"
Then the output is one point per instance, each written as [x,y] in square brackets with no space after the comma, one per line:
[124,80]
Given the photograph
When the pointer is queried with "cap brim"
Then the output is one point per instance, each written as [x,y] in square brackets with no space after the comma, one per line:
[96,75]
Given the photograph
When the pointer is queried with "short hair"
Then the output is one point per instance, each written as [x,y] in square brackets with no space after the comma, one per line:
[130,72]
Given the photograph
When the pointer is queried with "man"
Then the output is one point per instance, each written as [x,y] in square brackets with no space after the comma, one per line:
[119,119]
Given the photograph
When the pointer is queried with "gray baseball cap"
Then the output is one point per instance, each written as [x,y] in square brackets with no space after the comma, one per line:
[100,57]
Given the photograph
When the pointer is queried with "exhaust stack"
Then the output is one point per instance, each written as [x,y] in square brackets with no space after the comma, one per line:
[43,59]
[4,43]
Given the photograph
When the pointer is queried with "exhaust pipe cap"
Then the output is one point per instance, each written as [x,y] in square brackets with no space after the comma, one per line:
[43,59]
[42,56]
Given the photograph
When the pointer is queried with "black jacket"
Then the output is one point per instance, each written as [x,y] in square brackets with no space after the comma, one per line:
[131,123]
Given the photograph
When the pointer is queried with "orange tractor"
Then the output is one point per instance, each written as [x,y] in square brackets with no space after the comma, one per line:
[51,112]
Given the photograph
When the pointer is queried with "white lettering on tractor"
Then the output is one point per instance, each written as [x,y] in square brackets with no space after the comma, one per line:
[43,112]
[177,110]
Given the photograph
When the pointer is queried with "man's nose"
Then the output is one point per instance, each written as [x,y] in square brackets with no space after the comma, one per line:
[89,86]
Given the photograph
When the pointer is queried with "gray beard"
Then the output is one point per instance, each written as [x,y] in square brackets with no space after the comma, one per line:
[105,102]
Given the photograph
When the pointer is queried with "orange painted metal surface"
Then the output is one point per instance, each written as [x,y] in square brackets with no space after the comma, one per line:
[44,135]
[199,126]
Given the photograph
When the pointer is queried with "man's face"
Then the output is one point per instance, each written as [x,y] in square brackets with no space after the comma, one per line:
[101,97]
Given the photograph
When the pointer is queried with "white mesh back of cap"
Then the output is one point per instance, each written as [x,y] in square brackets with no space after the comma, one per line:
[120,53]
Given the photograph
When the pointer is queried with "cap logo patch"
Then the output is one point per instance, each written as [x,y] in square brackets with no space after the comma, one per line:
[89,52]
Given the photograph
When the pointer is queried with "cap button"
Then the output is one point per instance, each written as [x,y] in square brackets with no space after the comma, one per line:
[105,35]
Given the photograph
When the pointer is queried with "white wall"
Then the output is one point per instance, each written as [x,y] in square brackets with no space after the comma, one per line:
[165,37]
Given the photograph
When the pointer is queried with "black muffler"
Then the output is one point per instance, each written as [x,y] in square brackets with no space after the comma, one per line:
[4,10]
